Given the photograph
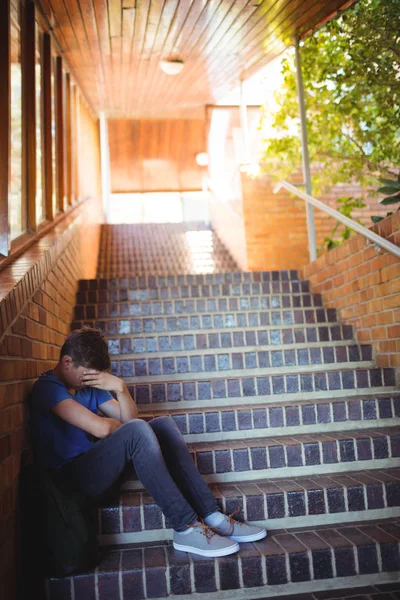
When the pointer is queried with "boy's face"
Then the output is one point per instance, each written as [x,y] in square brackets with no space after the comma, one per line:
[71,373]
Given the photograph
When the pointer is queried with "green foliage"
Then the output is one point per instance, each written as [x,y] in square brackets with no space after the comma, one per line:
[391,187]
[351,70]
[345,206]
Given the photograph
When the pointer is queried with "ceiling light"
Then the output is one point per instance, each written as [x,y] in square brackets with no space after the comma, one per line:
[172,67]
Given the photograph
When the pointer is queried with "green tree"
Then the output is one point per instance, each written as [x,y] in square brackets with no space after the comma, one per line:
[351,70]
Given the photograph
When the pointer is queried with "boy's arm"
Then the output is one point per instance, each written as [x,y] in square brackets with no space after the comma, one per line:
[74,413]
[125,409]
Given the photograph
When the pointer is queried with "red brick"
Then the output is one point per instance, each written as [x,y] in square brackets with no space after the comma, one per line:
[19,326]
[14,346]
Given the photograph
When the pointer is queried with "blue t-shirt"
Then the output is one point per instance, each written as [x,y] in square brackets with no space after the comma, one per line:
[56,441]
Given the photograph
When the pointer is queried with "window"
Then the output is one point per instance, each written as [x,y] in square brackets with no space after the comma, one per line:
[16,209]
[53,136]
[40,207]
[40,113]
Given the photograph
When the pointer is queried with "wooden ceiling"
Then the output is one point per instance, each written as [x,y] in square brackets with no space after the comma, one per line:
[114,47]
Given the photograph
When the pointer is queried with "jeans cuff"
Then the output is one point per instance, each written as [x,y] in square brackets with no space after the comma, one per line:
[185,527]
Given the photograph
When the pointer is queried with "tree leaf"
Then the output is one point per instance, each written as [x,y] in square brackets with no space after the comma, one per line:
[391,200]
[388,189]
[376,219]
[391,183]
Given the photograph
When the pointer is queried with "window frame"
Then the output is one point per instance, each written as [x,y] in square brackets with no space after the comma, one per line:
[65,142]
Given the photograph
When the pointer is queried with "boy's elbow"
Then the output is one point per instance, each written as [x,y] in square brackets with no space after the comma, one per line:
[104,429]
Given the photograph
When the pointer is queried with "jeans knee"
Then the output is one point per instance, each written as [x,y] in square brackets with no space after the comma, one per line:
[160,424]
[136,431]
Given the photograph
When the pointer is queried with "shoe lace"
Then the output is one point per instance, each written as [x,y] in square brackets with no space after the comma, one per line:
[232,520]
[206,529]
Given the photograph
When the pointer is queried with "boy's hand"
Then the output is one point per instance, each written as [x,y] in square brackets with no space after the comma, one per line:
[103,381]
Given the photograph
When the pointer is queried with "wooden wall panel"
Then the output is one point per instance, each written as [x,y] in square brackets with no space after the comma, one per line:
[155,155]
[114,48]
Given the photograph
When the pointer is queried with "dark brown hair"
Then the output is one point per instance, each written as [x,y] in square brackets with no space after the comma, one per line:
[87,348]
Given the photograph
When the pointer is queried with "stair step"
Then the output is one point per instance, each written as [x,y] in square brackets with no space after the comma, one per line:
[297,455]
[313,559]
[221,337]
[283,337]
[149,281]
[224,361]
[119,302]
[234,388]
[134,517]
[126,347]
[230,423]
[231,320]
[118,293]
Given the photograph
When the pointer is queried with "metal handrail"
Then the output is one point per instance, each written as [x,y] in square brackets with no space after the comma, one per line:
[374,237]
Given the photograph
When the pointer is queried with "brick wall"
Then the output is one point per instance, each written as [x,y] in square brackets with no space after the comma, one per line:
[37,296]
[364,286]
[276,227]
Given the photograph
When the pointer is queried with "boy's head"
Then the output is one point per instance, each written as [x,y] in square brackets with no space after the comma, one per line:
[83,349]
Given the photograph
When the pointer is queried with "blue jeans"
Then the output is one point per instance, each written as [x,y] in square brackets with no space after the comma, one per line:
[162,462]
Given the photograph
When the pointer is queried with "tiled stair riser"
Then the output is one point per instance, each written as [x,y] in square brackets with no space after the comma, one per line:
[231,320]
[249,460]
[276,504]
[145,281]
[245,422]
[106,304]
[222,362]
[312,558]
[298,455]
[257,390]
[225,291]
[221,338]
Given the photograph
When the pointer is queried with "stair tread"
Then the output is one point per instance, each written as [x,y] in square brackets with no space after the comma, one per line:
[299,438]
[158,410]
[304,547]
[126,497]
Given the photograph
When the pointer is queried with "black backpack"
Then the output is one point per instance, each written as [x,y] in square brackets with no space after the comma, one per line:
[60,521]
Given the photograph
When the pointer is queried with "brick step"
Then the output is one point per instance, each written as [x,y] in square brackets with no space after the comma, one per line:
[314,559]
[107,306]
[220,338]
[234,388]
[297,455]
[134,517]
[148,281]
[229,423]
[125,292]
[126,347]
[276,318]
[196,323]
[223,362]
[131,368]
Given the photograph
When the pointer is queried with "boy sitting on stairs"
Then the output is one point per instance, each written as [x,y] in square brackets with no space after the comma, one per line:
[64,415]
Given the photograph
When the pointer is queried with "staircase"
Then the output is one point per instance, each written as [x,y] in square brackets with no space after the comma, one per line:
[285,415]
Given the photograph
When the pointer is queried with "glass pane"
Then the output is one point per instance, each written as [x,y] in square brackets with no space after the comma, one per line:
[53,137]
[16,220]
[40,210]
